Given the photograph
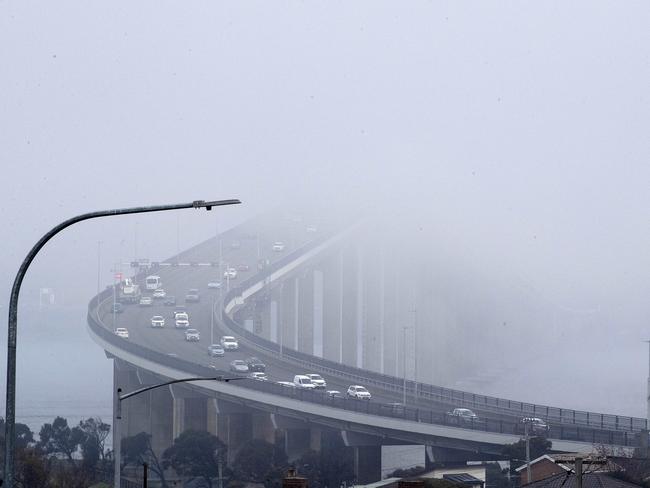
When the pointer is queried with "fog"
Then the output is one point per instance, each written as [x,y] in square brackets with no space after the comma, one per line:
[502,147]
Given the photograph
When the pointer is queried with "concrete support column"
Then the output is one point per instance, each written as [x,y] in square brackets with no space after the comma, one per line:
[306,313]
[317,320]
[349,309]
[178,416]
[297,442]
[162,435]
[332,345]
[262,427]
[360,312]
[195,413]
[367,464]
[212,416]
[235,430]
[288,320]
[315,439]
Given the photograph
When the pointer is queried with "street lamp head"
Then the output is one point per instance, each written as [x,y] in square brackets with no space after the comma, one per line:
[214,203]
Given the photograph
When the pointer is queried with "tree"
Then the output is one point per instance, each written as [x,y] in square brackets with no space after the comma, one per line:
[258,461]
[195,453]
[24,436]
[59,439]
[517,451]
[93,441]
[137,450]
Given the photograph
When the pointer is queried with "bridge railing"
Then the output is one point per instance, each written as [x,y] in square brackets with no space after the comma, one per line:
[421,415]
[448,396]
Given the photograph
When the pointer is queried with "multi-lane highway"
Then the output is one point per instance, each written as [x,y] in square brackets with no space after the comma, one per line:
[247,245]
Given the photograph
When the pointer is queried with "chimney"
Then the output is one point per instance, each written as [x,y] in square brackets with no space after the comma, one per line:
[292,480]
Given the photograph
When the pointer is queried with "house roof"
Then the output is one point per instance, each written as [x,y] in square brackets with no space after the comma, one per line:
[589,480]
[463,478]
[548,458]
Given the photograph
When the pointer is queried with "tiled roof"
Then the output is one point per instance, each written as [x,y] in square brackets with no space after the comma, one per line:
[590,480]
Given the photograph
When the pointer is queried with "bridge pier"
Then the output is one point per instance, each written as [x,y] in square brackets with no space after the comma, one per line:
[367,464]
[306,312]
[235,429]
[332,312]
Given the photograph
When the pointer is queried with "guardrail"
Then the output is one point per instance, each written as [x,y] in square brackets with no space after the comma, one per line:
[451,397]
[421,415]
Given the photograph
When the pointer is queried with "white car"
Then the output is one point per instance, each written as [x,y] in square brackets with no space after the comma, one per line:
[214,285]
[303,381]
[239,366]
[229,343]
[122,332]
[287,384]
[192,335]
[359,392]
[230,274]
[215,350]
[159,293]
[157,321]
[463,414]
[182,321]
[278,246]
[259,376]
[311,229]
[146,301]
[317,380]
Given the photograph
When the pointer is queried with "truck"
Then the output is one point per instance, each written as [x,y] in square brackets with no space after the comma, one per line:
[129,291]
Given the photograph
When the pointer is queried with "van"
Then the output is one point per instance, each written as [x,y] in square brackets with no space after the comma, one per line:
[302,381]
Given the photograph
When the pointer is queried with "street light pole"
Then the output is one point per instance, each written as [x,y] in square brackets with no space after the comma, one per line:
[10,413]
[117,448]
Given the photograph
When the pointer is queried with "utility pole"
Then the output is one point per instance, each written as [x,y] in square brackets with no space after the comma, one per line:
[528,480]
[404,364]
[648,390]
[212,322]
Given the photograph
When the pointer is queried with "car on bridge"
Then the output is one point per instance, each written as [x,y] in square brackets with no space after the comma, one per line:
[230,274]
[243,267]
[215,350]
[334,394]
[182,321]
[235,245]
[229,343]
[258,375]
[317,380]
[159,293]
[311,229]
[214,285]
[286,384]
[157,321]
[146,301]
[278,246]
[192,335]
[122,332]
[304,382]
[536,426]
[192,296]
[239,366]
[117,307]
[256,365]
[359,392]
[169,301]
[464,415]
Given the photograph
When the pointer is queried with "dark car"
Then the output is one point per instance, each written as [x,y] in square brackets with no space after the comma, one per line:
[170,301]
[118,307]
[255,365]
[193,296]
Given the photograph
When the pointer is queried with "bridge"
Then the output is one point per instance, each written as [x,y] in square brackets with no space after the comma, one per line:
[317,306]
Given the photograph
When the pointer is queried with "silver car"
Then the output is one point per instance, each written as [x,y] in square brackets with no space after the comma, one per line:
[239,366]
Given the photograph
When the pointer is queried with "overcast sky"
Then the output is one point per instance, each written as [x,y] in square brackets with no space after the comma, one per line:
[517,132]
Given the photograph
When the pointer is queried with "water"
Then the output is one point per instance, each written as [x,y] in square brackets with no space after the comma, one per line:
[61,371]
